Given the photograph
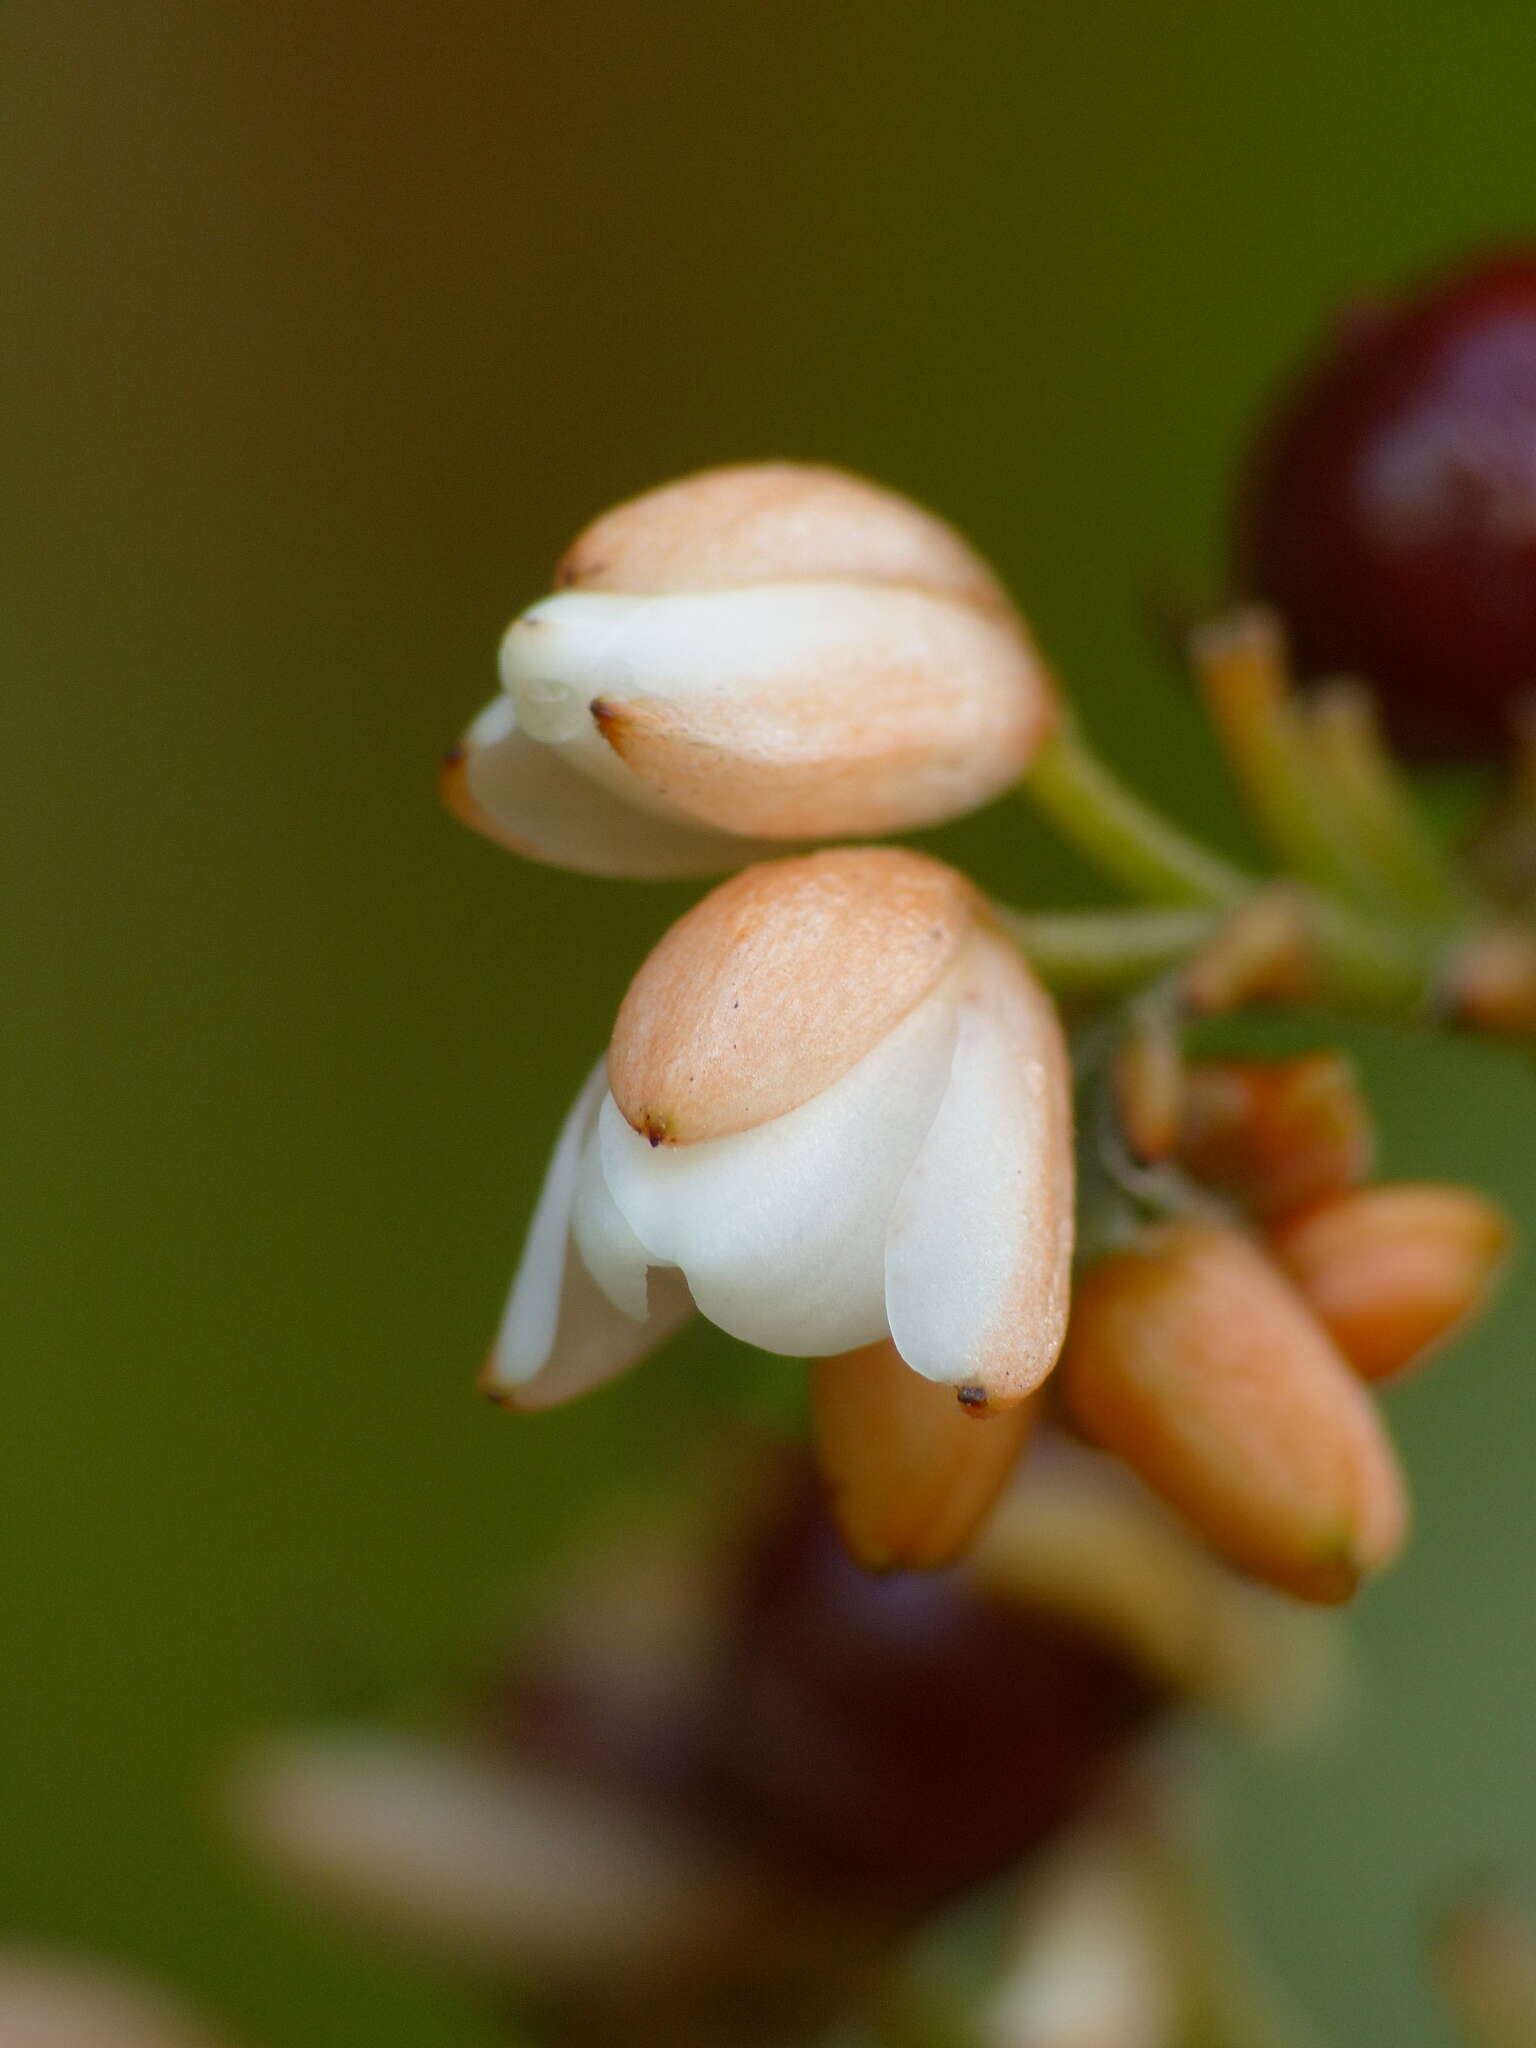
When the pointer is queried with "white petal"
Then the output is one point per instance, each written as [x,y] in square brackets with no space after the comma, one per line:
[788,710]
[561,1335]
[532,799]
[609,1249]
[780,1230]
[978,1265]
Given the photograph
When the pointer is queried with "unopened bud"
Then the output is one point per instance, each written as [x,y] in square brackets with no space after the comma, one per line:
[1148,1078]
[1262,953]
[1393,1270]
[1191,1358]
[912,1474]
[770,652]
[1276,1135]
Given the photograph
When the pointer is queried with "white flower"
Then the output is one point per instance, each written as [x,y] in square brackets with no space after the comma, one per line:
[836,1108]
[752,656]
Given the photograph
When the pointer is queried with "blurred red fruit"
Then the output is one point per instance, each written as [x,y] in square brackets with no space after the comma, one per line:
[1388,510]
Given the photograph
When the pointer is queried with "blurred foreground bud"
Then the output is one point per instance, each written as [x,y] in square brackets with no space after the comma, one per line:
[732,1773]
[1096,1961]
[1389,511]
[1275,1135]
[765,653]
[489,1865]
[1392,1271]
[1192,1358]
[1082,1537]
[53,2001]
[837,1105]
[912,1475]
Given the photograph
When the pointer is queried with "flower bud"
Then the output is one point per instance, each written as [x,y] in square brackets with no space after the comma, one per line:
[766,653]
[836,1109]
[1148,1077]
[1276,1135]
[1191,1358]
[912,1474]
[1392,1271]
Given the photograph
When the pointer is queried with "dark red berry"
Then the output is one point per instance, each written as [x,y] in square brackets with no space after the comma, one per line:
[1388,510]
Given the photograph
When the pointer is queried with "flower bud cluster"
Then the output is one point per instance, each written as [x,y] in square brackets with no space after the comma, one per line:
[1227,1360]
[835,1115]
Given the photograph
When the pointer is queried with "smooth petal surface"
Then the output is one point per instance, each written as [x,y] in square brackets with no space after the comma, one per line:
[780,1230]
[1191,1357]
[792,710]
[979,1254]
[607,1247]
[561,1335]
[911,1475]
[484,1864]
[1395,1270]
[530,798]
[773,522]
[1276,1135]
[780,981]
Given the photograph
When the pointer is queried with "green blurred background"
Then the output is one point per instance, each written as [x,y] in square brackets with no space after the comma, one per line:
[327,326]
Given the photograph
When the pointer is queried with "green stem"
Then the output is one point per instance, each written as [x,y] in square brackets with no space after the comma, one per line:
[1101,952]
[1240,661]
[1125,837]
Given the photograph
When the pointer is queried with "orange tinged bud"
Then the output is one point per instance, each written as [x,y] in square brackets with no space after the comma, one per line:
[1262,953]
[1191,1357]
[1394,1270]
[913,1473]
[1276,1135]
[1148,1082]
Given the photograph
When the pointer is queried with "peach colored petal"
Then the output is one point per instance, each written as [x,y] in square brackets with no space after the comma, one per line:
[803,711]
[768,522]
[780,981]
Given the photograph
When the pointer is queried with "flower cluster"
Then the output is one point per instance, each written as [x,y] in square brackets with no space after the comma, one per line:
[838,1114]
